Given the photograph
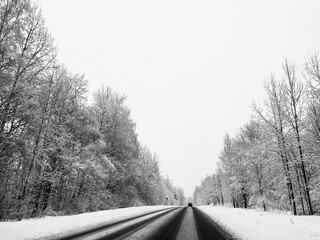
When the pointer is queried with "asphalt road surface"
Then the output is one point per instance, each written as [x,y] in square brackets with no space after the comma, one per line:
[178,223]
[188,229]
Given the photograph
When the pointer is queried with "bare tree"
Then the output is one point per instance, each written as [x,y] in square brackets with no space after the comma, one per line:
[275,119]
[295,112]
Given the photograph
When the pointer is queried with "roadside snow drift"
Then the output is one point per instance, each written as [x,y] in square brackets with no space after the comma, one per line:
[258,225]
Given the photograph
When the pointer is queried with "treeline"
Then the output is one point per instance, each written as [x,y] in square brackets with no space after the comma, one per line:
[58,154]
[273,162]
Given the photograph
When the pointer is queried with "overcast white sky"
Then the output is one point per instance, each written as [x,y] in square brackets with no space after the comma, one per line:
[190,68]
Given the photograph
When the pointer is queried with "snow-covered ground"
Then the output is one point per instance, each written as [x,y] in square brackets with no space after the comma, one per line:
[258,225]
[48,226]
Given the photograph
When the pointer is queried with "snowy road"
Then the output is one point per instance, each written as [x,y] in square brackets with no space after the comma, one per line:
[172,224]
[248,224]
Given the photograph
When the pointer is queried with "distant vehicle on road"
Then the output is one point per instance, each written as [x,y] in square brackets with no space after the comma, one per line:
[189,204]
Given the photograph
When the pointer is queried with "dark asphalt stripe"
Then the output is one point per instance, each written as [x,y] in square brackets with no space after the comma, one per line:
[208,229]
[169,230]
[175,226]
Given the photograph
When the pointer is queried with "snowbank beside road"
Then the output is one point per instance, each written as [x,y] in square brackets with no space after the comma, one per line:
[47,226]
[258,225]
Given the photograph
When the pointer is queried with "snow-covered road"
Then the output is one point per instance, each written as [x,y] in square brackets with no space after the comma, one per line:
[244,224]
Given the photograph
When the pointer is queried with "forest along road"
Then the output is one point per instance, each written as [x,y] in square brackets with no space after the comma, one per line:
[178,223]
